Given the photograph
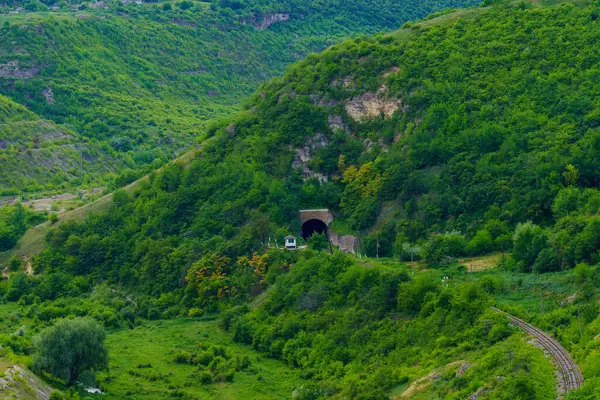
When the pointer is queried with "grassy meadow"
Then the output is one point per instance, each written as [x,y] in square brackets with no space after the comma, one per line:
[142,365]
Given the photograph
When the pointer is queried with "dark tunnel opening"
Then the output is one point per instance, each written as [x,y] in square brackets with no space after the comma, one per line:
[313,226]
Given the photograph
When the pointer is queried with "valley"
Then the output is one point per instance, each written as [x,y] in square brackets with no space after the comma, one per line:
[114,91]
[458,152]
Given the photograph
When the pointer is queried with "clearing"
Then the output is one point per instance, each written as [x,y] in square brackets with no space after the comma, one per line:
[142,366]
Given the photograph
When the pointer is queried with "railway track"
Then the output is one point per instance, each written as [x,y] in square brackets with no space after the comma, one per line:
[569,374]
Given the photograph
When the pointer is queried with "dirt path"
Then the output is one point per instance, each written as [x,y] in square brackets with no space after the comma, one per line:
[568,372]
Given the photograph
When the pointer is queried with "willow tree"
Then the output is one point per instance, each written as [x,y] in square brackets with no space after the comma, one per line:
[70,347]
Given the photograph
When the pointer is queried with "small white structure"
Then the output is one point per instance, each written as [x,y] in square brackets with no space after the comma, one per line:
[290,242]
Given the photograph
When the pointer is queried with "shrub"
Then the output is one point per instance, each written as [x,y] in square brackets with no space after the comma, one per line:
[194,312]
[204,358]
[481,243]
[446,245]
[318,242]
[182,357]
[205,377]
[546,261]
[153,313]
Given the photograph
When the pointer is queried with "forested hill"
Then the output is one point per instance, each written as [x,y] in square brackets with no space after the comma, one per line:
[442,137]
[473,132]
[142,79]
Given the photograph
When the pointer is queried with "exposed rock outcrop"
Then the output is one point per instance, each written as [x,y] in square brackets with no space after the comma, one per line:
[231,131]
[391,71]
[346,243]
[336,122]
[305,154]
[98,4]
[345,83]
[372,105]
[48,95]
[320,100]
[267,20]
[17,382]
[183,22]
[11,69]
[462,369]
[480,392]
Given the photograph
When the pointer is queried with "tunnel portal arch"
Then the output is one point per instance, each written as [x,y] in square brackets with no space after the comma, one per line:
[313,226]
[315,221]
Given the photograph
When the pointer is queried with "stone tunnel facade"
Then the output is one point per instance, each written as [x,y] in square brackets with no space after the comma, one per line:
[323,215]
[345,243]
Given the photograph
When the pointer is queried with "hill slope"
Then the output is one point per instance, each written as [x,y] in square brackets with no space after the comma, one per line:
[143,79]
[468,133]
[462,126]
[34,150]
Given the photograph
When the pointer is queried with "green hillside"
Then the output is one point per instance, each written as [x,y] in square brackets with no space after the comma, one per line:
[468,134]
[463,128]
[142,80]
[34,150]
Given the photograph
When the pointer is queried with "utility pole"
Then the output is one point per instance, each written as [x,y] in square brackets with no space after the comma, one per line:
[542,298]
[377,237]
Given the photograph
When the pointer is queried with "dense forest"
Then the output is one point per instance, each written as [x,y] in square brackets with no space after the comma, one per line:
[465,164]
[469,134]
[134,84]
[14,221]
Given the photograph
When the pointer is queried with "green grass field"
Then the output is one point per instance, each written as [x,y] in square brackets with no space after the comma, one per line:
[155,344]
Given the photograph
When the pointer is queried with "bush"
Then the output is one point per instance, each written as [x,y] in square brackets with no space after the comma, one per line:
[205,377]
[481,243]
[194,312]
[182,357]
[528,241]
[153,313]
[204,358]
[184,5]
[546,261]
[318,242]
[443,246]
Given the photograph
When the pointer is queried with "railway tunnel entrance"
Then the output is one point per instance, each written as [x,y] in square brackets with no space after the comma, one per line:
[315,221]
[319,221]
[313,226]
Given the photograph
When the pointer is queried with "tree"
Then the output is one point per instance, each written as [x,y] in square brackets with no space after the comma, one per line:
[69,348]
[317,241]
[565,202]
[528,241]
[441,246]
[481,243]
[571,175]
[409,252]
